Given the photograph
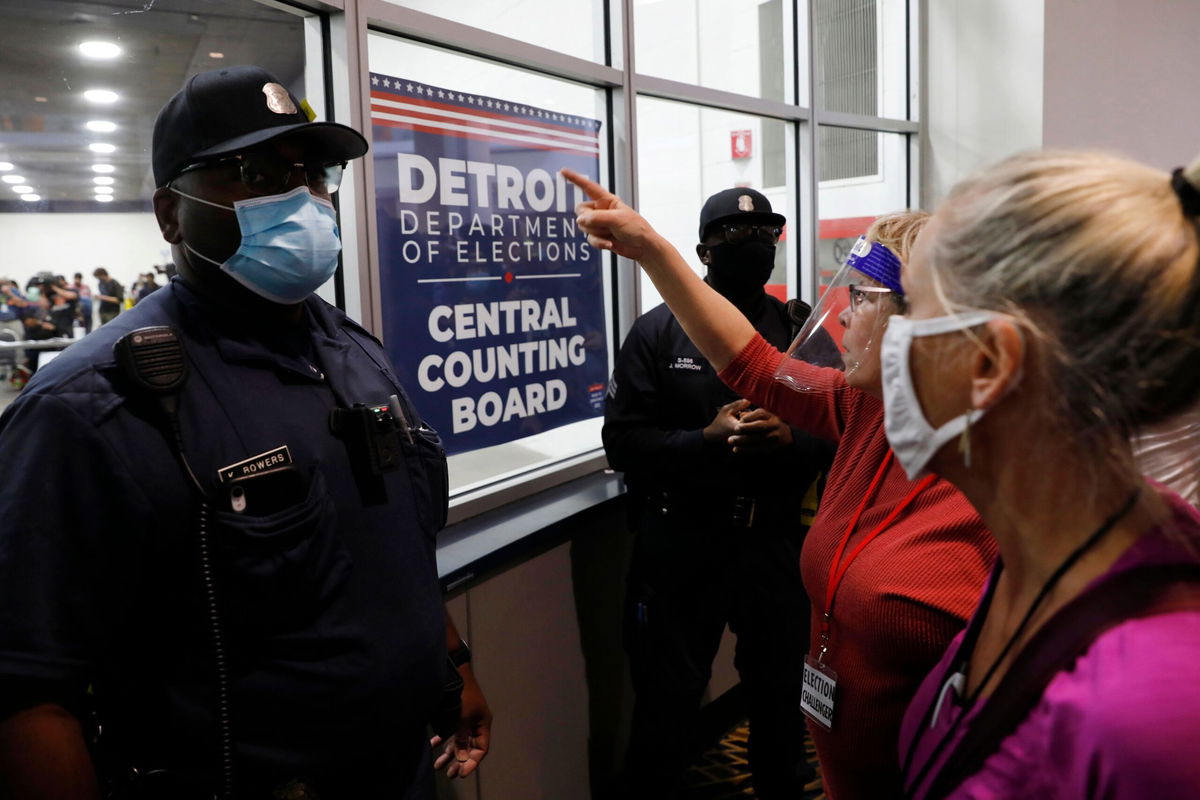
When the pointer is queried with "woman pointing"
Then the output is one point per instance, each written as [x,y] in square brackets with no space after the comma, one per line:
[892,566]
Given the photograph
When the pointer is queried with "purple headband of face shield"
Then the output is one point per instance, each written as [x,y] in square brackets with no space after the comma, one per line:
[876,261]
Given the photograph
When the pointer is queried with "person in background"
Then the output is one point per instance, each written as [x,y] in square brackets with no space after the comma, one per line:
[718,527]
[64,304]
[892,564]
[1054,304]
[12,311]
[243,594]
[148,286]
[35,317]
[110,294]
[85,302]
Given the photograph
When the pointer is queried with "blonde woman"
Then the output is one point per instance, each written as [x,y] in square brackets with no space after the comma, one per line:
[891,565]
[1053,302]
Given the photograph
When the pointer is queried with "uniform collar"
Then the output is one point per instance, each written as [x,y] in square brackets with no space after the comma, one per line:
[308,349]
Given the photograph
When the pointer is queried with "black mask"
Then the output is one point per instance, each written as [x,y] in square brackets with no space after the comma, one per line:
[740,270]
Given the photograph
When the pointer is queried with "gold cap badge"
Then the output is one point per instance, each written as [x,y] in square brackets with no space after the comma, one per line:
[278,99]
[745,203]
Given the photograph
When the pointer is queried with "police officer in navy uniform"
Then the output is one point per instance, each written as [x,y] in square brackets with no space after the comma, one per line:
[718,529]
[241,598]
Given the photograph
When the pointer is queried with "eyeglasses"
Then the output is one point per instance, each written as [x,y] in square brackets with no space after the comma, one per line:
[264,172]
[733,233]
[862,294]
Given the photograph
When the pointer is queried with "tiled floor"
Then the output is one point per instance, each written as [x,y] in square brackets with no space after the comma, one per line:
[723,772]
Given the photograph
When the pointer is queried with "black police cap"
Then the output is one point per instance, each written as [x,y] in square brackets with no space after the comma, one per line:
[740,205]
[225,111]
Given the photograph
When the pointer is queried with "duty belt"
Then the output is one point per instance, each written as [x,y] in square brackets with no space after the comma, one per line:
[736,511]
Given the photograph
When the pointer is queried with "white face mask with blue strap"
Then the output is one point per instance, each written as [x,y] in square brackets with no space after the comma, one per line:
[913,439]
[290,244]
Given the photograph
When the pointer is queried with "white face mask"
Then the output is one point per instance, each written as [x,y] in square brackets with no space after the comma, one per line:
[913,439]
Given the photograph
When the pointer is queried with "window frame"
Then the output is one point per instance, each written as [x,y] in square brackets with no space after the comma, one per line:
[352,20]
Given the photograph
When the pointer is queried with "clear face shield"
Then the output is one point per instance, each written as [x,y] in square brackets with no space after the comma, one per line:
[845,329]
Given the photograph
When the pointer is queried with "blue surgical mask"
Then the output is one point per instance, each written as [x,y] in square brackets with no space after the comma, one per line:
[290,244]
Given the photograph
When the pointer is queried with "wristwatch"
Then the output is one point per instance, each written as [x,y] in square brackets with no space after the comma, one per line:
[460,655]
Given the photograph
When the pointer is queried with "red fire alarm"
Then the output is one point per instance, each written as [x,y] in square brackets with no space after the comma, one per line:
[740,144]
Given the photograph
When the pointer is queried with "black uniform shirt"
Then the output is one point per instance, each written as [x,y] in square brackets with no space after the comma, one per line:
[663,393]
[332,608]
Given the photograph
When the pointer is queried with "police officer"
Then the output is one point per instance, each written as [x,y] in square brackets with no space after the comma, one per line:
[720,495]
[241,598]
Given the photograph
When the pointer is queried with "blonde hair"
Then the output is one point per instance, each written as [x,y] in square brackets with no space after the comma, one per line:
[1096,255]
[898,231]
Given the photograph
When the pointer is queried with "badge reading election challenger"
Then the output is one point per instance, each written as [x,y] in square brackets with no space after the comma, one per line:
[817,694]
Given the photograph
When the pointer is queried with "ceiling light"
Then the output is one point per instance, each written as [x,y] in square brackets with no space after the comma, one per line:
[39,99]
[102,180]
[103,189]
[5,166]
[13,178]
[100,96]
[216,55]
[104,198]
[99,49]
[105,168]
[102,147]
[101,126]
[22,189]
[30,198]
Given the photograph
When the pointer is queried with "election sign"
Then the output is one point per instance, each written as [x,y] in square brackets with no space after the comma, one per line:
[492,299]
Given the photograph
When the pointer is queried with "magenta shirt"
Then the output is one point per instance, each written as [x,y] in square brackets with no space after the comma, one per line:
[1124,724]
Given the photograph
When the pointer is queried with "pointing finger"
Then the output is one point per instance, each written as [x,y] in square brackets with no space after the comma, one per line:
[589,186]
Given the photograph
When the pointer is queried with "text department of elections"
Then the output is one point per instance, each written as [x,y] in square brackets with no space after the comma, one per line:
[479,237]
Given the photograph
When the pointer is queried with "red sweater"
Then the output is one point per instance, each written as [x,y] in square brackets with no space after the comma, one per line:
[903,598]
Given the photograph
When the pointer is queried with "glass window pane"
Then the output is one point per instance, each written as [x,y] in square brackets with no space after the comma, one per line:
[743,46]
[495,310]
[53,134]
[864,174]
[84,159]
[574,27]
[862,56]
[687,153]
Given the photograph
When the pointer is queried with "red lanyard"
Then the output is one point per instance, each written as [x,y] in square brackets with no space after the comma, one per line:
[837,570]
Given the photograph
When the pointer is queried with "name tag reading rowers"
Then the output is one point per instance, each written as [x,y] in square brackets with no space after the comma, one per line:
[255,464]
[817,694]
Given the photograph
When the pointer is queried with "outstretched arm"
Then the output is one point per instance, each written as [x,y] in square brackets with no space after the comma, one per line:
[712,323]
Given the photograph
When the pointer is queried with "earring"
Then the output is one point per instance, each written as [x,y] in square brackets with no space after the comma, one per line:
[964,441]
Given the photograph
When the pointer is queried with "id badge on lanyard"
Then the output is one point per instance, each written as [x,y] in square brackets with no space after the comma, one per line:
[818,693]
[819,690]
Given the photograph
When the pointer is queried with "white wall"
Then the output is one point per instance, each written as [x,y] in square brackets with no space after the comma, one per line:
[1119,76]
[124,244]
[984,85]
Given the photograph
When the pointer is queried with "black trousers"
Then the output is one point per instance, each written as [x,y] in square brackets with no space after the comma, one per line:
[687,580]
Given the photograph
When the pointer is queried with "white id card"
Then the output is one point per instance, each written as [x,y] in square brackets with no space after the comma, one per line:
[816,697]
